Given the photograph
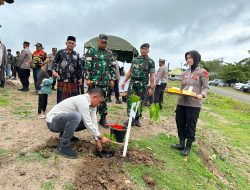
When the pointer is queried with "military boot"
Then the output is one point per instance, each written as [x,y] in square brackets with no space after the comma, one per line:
[109,99]
[137,122]
[2,84]
[187,148]
[103,121]
[118,101]
[179,146]
[132,124]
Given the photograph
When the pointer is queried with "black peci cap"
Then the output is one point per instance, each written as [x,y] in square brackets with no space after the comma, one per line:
[145,45]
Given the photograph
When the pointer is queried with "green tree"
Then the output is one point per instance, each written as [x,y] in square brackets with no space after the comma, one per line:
[214,67]
[237,72]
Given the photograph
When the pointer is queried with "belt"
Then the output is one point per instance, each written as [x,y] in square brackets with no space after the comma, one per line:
[136,78]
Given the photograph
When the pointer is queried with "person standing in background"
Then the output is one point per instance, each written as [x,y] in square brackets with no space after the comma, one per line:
[141,73]
[116,82]
[24,66]
[44,82]
[48,66]
[67,68]
[15,67]
[38,58]
[3,62]
[9,65]
[161,82]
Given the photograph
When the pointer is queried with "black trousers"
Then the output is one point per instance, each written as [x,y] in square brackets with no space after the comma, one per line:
[148,98]
[2,82]
[14,71]
[116,89]
[159,93]
[186,120]
[42,103]
[24,75]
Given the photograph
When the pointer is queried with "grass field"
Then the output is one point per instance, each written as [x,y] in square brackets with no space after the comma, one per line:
[230,121]
[223,131]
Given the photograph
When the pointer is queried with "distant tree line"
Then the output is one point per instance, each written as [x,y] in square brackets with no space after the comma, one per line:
[228,72]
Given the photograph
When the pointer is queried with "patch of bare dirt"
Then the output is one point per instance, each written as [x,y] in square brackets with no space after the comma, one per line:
[23,135]
[102,173]
[108,173]
[149,181]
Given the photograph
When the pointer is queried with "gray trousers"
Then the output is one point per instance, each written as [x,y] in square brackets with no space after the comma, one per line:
[66,124]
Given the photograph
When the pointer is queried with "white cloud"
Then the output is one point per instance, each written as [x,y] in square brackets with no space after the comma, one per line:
[172,27]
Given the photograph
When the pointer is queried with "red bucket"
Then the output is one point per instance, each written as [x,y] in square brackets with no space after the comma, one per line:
[117,127]
[118,130]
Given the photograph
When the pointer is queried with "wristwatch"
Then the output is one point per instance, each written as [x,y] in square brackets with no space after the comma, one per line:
[99,138]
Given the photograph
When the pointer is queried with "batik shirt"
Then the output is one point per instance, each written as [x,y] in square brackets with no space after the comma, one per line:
[68,66]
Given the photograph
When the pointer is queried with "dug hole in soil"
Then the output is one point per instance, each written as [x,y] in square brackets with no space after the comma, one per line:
[104,173]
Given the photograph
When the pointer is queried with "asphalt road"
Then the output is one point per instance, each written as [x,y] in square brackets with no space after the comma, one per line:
[234,95]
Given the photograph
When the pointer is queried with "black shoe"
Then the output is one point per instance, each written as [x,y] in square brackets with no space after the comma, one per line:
[179,146]
[109,99]
[2,84]
[132,124]
[103,122]
[118,101]
[20,89]
[23,89]
[137,122]
[187,148]
[74,139]
[161,108]
[66,152]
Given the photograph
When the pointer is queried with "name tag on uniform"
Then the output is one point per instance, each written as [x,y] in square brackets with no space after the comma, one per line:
[195,77]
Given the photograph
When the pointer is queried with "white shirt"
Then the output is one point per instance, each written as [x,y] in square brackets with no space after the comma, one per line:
[81,104]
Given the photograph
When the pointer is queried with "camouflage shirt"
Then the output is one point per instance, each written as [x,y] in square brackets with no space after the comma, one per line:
[98,66]
[141,67]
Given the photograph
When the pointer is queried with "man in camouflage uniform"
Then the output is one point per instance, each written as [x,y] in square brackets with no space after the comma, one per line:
[139,72]
[100,72]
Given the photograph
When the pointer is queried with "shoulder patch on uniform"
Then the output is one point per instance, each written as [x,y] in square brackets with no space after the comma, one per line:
[206,74]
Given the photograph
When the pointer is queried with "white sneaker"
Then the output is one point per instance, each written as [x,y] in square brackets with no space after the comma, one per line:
[41,116]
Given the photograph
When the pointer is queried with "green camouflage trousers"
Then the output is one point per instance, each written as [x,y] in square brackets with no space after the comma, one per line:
[102,108]
[138,88]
